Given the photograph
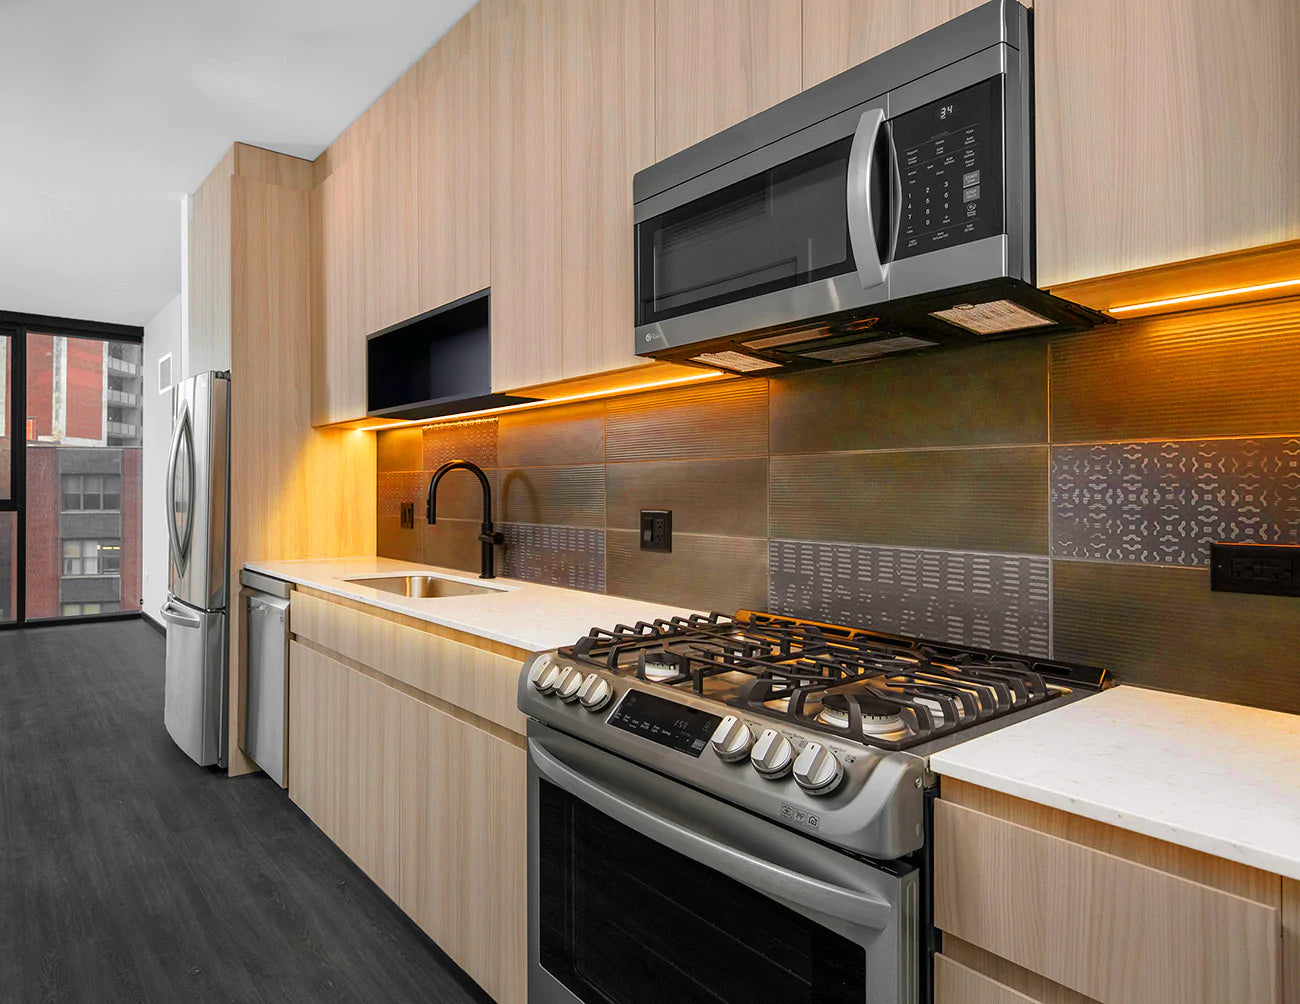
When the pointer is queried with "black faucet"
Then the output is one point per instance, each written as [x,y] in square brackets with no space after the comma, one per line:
[487,536]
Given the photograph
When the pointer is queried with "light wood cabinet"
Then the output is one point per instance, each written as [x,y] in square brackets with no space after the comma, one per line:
[955,983]
[720,61]
[1093,911]
[452,151]
[432,808]
[1164,131]
[338,350]
[390,218]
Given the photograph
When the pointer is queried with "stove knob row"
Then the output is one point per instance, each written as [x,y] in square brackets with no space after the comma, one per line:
[772,755]
[817,770]
[732,739]
[568,683]
[595,692]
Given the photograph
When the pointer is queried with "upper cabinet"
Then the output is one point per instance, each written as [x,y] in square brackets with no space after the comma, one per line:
[338,297]
[390,224]
[452,150]
[1165,131]
[719,61]
[572,122]
[839,34]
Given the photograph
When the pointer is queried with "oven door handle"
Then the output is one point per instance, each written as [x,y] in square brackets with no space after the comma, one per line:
[789,887]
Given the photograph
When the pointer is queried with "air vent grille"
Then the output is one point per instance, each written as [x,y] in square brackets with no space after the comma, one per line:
[165,374]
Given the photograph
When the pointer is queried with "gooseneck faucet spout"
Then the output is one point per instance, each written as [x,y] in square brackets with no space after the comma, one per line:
[488,537]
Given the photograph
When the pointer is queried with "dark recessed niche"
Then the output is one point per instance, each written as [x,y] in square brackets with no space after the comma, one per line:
[439,363]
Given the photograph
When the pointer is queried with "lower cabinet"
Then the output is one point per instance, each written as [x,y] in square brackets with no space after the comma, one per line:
[432,808]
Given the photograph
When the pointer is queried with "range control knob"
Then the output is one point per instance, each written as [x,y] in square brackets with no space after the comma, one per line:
[732,739]
[538,669]
[817,770]
[772,755]
[569,683]
[545,681]
[595,692]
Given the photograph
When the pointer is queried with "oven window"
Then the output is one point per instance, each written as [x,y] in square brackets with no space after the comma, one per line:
[782,228]
[625,920]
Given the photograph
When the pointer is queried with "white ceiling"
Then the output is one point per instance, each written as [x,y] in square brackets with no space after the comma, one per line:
[111,111]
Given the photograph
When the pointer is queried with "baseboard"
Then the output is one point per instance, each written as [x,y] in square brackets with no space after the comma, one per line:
[157,625]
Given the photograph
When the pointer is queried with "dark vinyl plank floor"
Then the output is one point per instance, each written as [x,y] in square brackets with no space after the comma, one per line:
[128,873]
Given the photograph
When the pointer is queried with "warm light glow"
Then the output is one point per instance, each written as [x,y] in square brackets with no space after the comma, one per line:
[567,399]
[1174,301]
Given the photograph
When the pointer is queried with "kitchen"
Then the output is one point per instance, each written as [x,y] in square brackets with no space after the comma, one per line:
[692,500]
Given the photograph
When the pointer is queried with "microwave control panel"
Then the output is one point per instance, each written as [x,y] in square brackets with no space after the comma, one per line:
[950,162]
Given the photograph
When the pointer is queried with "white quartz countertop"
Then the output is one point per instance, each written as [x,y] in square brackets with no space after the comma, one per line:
[522,614]
[1219,778]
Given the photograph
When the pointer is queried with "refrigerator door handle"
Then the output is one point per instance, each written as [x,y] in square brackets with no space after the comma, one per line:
[178,617]
[183,438]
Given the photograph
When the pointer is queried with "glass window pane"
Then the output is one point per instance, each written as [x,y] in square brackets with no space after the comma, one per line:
[90,608]
[70,609]
[6,441]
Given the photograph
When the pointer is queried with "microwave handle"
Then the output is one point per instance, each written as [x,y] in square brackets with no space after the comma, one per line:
[862,214]
[846,905]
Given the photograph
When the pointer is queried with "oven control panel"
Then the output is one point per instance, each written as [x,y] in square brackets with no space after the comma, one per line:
[950,164]
[680,727]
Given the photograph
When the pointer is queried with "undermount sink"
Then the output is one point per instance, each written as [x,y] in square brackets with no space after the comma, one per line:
[423,586]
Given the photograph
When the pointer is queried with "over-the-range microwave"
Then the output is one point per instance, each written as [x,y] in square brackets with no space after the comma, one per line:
[888,209]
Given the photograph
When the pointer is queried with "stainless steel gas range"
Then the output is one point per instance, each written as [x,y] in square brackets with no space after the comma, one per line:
[727,809]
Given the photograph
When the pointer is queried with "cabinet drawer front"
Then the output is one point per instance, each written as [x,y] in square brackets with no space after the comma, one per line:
[958,984]
[481,682]
[1114,930]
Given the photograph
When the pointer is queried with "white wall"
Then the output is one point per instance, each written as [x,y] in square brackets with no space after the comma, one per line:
[161,335]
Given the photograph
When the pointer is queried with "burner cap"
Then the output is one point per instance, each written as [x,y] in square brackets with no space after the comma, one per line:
[879,718]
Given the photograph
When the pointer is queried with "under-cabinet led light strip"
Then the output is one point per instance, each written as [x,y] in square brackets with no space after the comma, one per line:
[547,402]
[1174,301]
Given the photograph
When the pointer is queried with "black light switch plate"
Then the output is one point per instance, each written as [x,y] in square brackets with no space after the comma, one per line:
[408,515]
[656,530]
[1265,569]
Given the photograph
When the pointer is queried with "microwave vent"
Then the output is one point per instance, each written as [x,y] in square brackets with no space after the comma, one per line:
[993,318]
[736,362]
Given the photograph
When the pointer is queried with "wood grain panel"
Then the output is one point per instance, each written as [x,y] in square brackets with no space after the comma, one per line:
[431,808]
[391,214]
[716,420]
[571,496]
[839,34]
[703,572]
[1211,373]
[273,168]
[339,297]
[452,150]
[1290,941]
[1162,627]
[607,96]
[958,984]
[982,396]
[526,213]
[1183,86]
[479,681]
[977,500]
[1099,924]
[720,61]
[705,496]
[565,434]
[1032,985]
[208,346]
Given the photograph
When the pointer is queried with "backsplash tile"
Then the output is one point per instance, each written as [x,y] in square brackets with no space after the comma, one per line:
[400,450]
[723,419]
[475,441]
[705,572]
[706,496]
[989,600]
[567,434]
[555,555]
[1165,502]
[570,496]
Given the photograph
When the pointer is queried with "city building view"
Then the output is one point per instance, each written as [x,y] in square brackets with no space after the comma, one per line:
[82,432]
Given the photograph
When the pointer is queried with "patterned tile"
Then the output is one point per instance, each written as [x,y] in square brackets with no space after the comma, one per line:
[394,488]
[554,555]
[1164,502]
[703,571]
[475,441]
[997,601]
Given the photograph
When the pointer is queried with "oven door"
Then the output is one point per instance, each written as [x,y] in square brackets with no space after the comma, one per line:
[643,890]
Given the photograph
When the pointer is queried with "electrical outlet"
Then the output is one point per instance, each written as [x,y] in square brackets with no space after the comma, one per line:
[656,529]
[1268,569]
[408,515]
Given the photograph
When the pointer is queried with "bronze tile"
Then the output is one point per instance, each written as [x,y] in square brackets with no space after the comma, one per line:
[1161,626]
[973,500]
[727,419]
[399,450]
[1212,373]
[451,543]
[475,441]
[460,496]
[706,496]
[986,395]
[392,541]
[704,572]
[396,487]
[570,496]
[569,434]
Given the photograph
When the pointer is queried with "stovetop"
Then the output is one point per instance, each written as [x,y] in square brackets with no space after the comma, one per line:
[857,685]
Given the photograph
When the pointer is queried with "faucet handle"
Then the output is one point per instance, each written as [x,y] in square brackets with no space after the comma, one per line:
[489,536]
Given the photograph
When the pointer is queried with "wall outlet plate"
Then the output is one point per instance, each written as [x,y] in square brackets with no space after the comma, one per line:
[408,515]
[657,530]
[1264,569]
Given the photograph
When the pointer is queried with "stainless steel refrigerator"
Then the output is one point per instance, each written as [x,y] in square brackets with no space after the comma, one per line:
[198,530]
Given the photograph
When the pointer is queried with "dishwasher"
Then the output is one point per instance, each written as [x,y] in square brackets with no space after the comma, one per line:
[266,723]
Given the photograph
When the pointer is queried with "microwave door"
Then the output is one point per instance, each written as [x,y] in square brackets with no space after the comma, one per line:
[874,198]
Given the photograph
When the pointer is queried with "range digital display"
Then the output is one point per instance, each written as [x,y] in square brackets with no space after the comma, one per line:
[681,728]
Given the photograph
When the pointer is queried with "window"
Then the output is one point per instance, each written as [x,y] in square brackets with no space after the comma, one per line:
[92,492]
[82,609]
[92,557]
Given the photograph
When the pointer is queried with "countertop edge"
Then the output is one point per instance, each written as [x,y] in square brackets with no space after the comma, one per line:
[1244,854]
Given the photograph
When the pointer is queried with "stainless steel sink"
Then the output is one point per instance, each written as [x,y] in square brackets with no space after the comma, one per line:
[423,586]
